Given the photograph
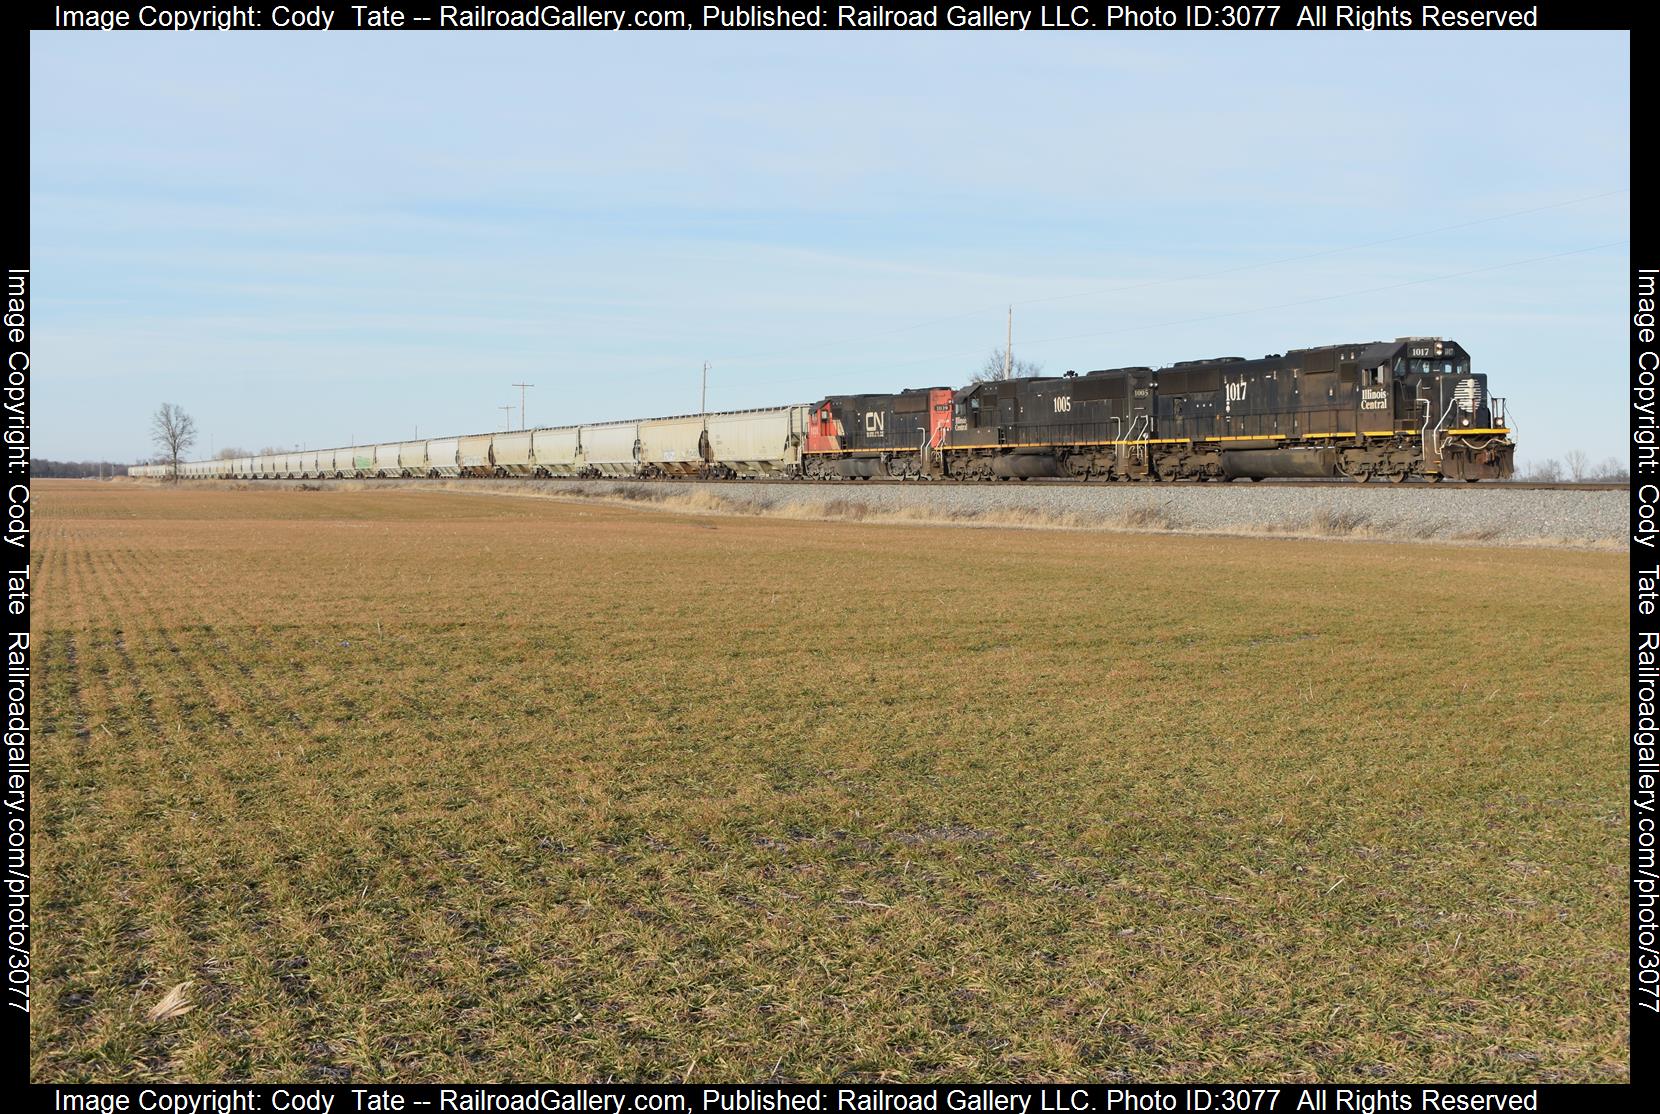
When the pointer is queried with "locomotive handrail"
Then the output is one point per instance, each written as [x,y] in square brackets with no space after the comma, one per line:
[1442,424]
[1424,438]
[1500,408]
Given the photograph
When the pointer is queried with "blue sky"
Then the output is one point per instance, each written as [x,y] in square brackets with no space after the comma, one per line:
[315,239]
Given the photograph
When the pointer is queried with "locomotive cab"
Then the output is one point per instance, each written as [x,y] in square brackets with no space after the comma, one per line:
[1462,429]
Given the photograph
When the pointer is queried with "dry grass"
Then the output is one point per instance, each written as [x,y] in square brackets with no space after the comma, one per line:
[811,503]
[415,787]
[174,1003]
[814,506]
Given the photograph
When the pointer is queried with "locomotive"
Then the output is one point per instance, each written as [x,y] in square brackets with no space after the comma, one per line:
[1390,410]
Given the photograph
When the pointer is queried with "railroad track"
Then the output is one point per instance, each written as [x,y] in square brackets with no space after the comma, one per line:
[1379,485]
[782,481]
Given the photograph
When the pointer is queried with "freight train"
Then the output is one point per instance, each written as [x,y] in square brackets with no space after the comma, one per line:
[1391,410]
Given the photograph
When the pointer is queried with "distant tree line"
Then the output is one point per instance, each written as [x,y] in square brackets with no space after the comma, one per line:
[73,469]
[1576,467]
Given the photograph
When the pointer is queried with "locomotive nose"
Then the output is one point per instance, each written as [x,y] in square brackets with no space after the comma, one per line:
[1470,397]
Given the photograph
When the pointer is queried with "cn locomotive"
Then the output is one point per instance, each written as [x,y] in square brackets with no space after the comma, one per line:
[1390,410]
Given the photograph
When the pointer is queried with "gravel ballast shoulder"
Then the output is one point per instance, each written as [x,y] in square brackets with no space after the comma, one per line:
[1494,514]
[1474,512]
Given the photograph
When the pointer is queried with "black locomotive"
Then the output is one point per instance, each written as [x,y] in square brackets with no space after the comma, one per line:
[1388,409]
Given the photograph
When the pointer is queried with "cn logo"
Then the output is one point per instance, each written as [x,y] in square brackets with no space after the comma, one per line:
[875,423]
[1063,404]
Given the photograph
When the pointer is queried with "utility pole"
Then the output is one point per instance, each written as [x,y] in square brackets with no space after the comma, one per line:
[507,411]
[1008,346]
[703,396]
[522,387]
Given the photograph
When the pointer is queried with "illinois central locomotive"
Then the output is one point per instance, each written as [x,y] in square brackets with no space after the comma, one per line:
[1390,410]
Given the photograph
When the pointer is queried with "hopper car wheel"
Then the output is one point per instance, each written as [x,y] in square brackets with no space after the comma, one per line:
[1434,477]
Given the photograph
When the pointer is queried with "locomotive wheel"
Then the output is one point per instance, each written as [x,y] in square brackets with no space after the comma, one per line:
[1433,477]
[1397,477]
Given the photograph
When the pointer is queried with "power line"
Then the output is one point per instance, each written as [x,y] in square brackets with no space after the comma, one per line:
[1291,305]
[1327,251]
[1253,309]
[1191,277]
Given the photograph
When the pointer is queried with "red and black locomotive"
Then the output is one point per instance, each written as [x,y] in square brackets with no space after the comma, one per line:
[1394,410]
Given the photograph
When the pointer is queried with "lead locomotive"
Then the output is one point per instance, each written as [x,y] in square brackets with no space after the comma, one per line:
[1388,409]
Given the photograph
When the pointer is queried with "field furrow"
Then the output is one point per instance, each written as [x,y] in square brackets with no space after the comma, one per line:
[413,786]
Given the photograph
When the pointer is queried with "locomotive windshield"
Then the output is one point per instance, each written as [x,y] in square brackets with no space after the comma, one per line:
[1441,367]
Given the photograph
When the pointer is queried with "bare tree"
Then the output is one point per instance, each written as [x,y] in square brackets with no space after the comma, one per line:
[1612,470]
[228,453]
[1546,471]
[1578,463]
[173,432]
[992,369]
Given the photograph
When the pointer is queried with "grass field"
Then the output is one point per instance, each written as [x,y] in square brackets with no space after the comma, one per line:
[432,786]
